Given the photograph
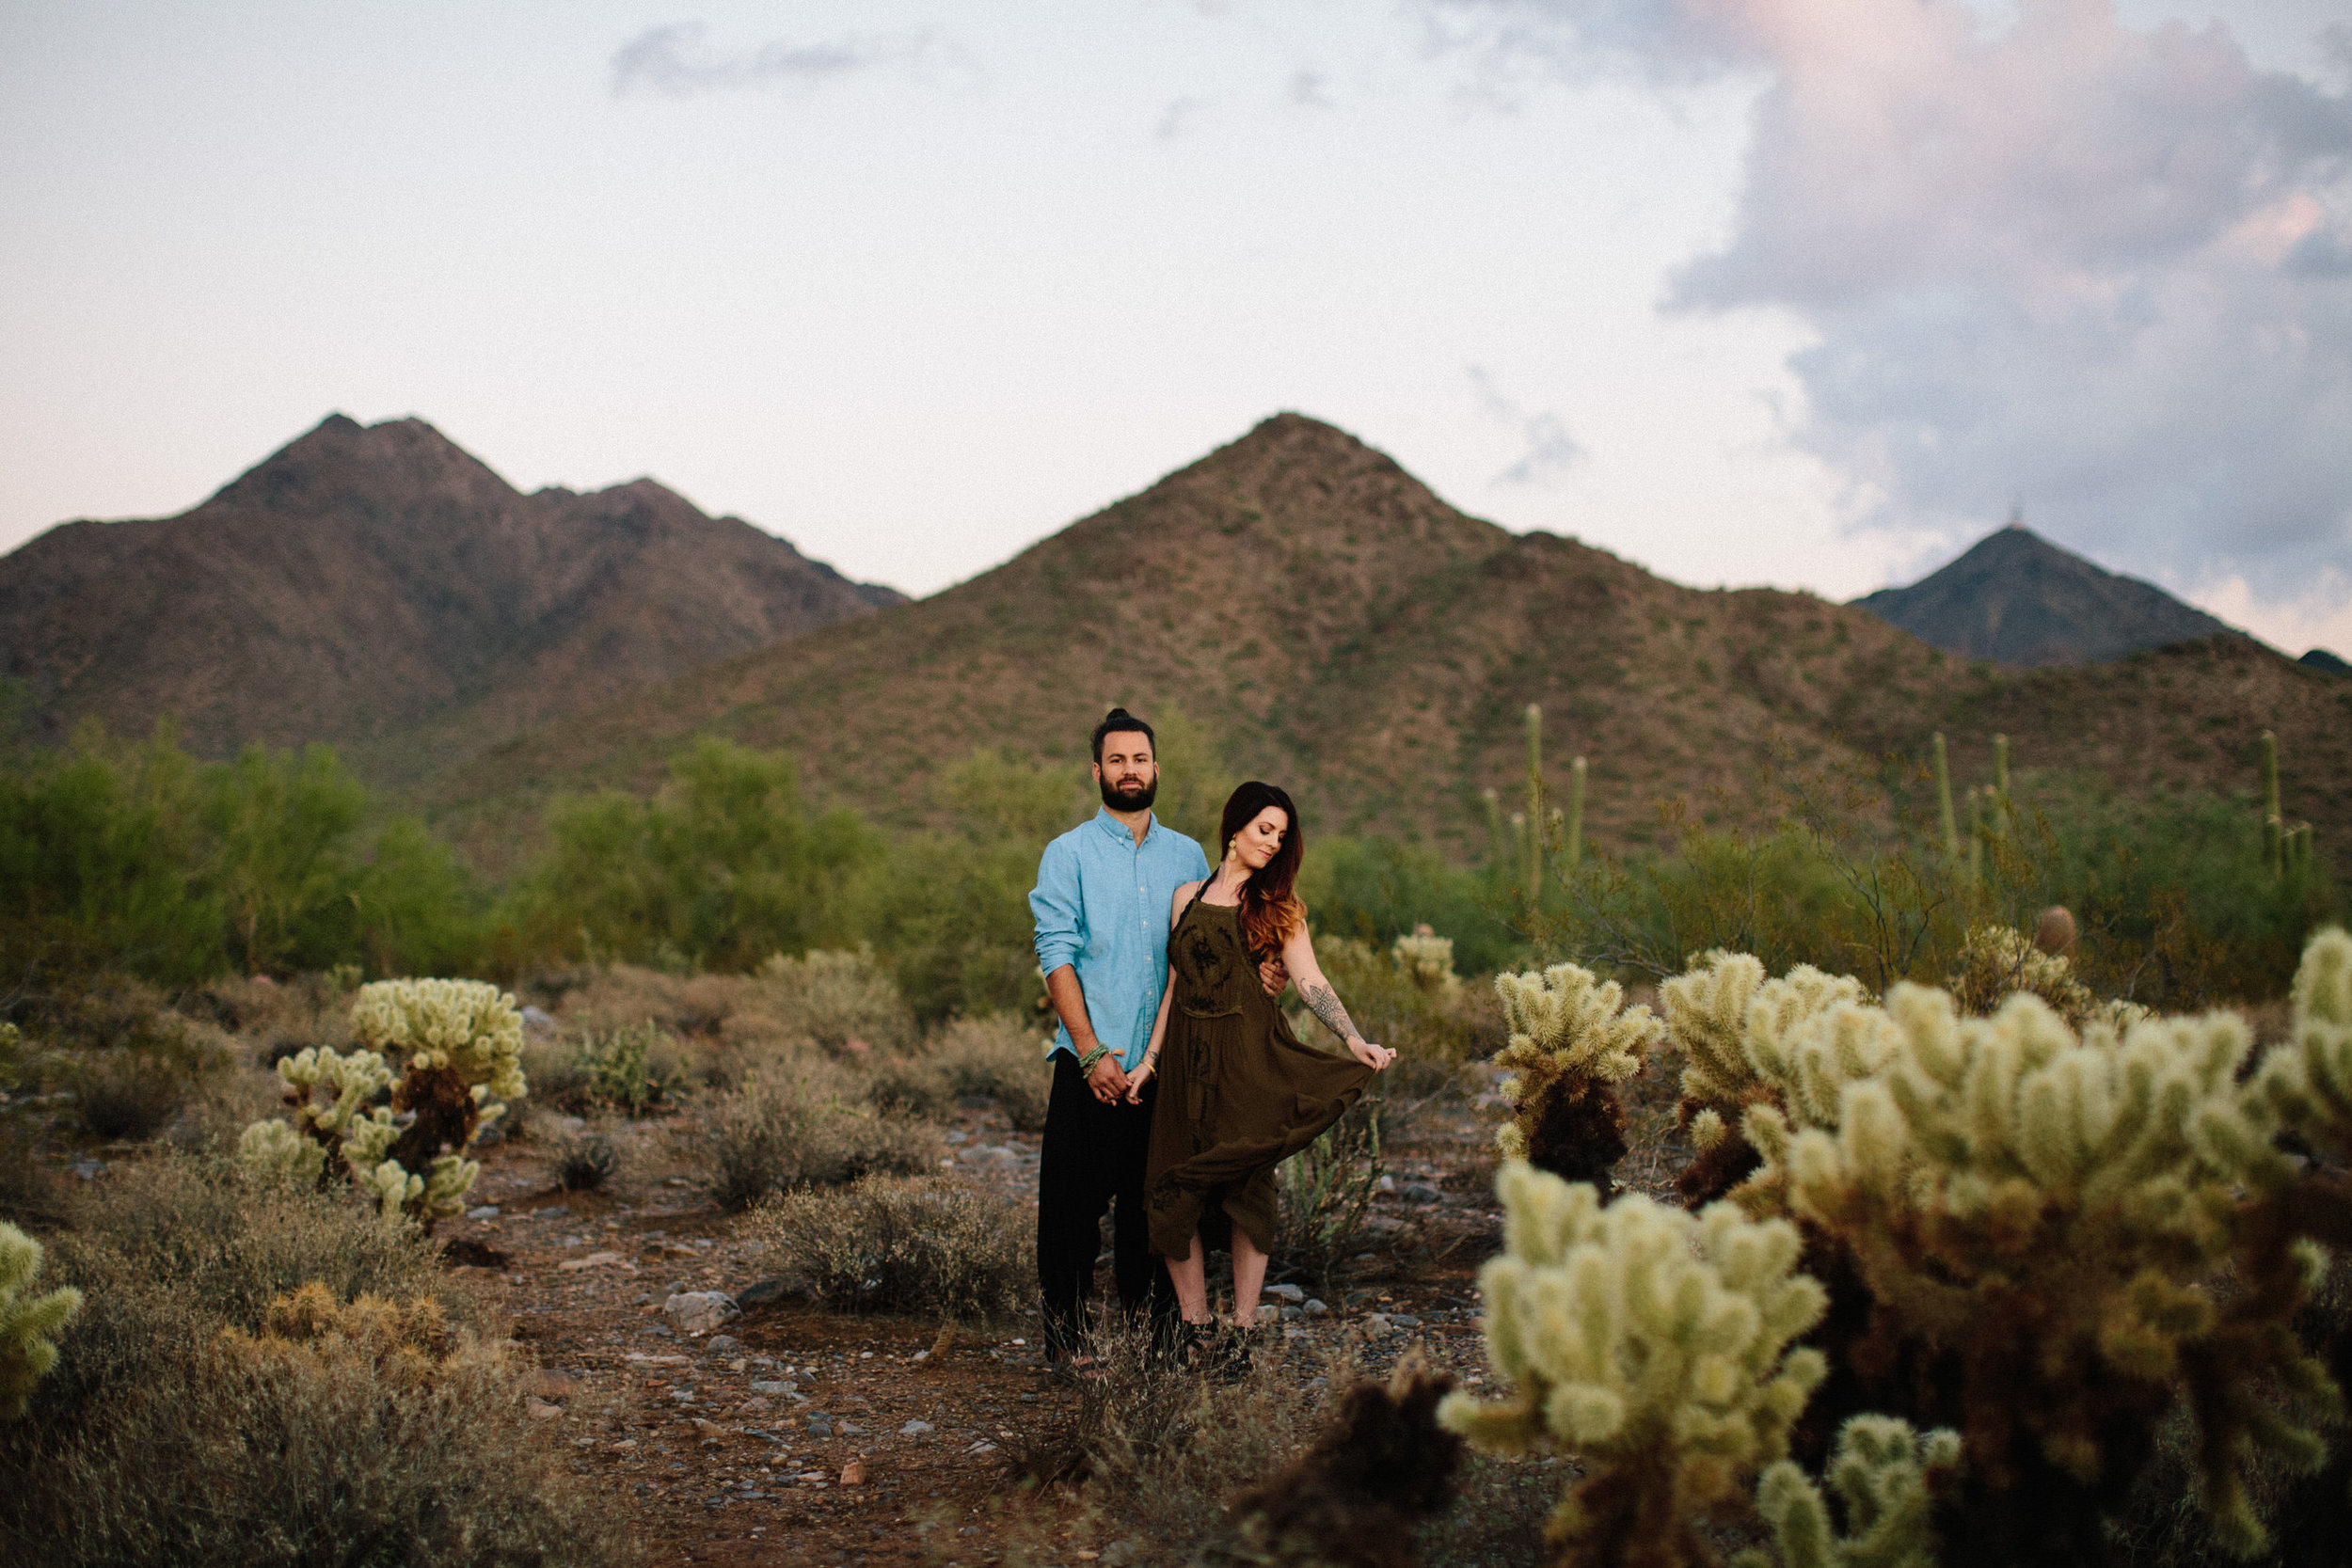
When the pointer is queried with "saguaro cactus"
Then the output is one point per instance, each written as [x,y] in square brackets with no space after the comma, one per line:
[1574,835]
[1944,802]
[1535,817]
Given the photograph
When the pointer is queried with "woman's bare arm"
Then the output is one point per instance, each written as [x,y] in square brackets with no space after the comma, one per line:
[1298,954]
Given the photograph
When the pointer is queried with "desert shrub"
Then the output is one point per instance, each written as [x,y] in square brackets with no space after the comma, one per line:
[777,1133]
[586,1162]
[841,1002]
[999,1058]
[558,1078]
[168,1251]
[31,1194]
[367,1431]
[1325,1192]
[598,999]
[907,1244]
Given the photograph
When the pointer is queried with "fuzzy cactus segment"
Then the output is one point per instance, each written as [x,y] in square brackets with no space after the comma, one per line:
[275,1152]
[1653,1343]
[1886,1478]
[28,1324]
[2307,1086]
[348,1082]
[1997,962]
[1750,1043]
[2048,1211]
[1572,1039]
[465,1025]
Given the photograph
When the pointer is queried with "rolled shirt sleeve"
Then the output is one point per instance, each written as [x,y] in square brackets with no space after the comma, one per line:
[1060,909]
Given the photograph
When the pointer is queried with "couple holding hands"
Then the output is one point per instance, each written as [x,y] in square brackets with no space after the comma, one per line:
[1178,1083]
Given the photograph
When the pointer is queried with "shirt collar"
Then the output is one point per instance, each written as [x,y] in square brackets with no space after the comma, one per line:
[1117,829]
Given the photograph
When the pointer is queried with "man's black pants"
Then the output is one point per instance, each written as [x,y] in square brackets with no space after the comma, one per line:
[1094,1159]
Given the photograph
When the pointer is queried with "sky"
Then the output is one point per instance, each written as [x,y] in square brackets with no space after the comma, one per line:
[1802,293]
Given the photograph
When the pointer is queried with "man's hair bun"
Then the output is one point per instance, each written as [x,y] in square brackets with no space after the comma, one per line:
[1120,721]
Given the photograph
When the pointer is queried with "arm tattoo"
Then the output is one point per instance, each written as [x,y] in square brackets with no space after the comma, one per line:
[1327,1008]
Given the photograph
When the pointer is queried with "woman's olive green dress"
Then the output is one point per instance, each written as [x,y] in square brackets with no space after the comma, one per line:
[1238,1093]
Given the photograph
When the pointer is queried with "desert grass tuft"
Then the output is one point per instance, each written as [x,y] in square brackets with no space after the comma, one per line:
[903,1245]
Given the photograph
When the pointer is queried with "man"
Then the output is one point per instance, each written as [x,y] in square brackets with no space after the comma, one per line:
[1102,906]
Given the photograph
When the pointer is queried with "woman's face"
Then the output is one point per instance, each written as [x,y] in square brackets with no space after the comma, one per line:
[1260,837]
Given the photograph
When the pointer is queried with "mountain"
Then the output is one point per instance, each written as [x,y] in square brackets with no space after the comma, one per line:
[379,588]
[2016,598]
[2325,662]
[1343,631]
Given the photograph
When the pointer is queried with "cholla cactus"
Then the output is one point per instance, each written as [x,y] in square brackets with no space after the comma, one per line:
[466,1027]
[2307,1086]
[2036,1218]
[349,1084]
[1426,959]
[458,1043]
[27,1322]
[1653,1344]
[1886,1478]
[1571,1039]
[407,1345]
[1738,1034]
[1997,962]
[277,1152]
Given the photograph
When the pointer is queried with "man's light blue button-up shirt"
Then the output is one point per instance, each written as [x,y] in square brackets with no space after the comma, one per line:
[1101,904]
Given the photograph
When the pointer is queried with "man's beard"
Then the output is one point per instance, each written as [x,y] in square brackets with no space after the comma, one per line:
[1137,799]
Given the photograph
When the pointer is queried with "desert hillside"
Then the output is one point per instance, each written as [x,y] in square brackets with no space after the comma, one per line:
[1345,630]
[379,588]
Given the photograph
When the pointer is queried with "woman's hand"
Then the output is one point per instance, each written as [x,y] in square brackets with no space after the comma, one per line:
[1141,1076]
[1373,1057]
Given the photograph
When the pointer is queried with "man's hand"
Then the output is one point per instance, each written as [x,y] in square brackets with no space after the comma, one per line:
[1109,1080]
[1274,974]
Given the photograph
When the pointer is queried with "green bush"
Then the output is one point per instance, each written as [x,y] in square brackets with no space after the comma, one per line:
[1376,890]
[841,1002]
[630,1070]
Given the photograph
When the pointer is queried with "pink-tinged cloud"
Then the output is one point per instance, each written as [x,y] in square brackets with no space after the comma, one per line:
[2104,271]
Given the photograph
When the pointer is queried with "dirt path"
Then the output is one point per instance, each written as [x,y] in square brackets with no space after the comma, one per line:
[793,1435]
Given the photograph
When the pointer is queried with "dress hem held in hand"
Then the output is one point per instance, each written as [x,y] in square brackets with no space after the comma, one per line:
[1239,1093]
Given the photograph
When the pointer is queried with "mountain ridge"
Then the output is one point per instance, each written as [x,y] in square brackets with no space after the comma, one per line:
[1343,630]
[381,588]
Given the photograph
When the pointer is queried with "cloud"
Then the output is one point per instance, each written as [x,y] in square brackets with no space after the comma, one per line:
[1178,116]
[1306,90]
[670,60]
[2105,270]
[1550,446]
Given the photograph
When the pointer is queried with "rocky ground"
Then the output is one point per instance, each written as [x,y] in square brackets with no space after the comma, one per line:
[778,1433]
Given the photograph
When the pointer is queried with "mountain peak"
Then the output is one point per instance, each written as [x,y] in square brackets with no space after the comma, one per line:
[2016,597]
[382,466]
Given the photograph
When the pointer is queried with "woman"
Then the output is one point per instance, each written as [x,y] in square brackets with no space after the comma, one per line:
[1239,1093]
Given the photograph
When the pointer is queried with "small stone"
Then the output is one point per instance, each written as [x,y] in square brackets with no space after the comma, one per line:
[853,1473]
[850,1429]
[1377,1321]
[555,1213]
[720,1345]
[774,1386]
[487,1212]
[1290,1314]
[1269,1313]
[540,1410]
[1422,1192]
[1315,1308]
[708,1429]
[916,1429]
[1403,1319]
[596,1260]
[1290,1295]
[698,1311]
[549,1384]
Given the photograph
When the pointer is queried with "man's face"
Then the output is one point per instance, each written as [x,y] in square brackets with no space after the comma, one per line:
[1128,776]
